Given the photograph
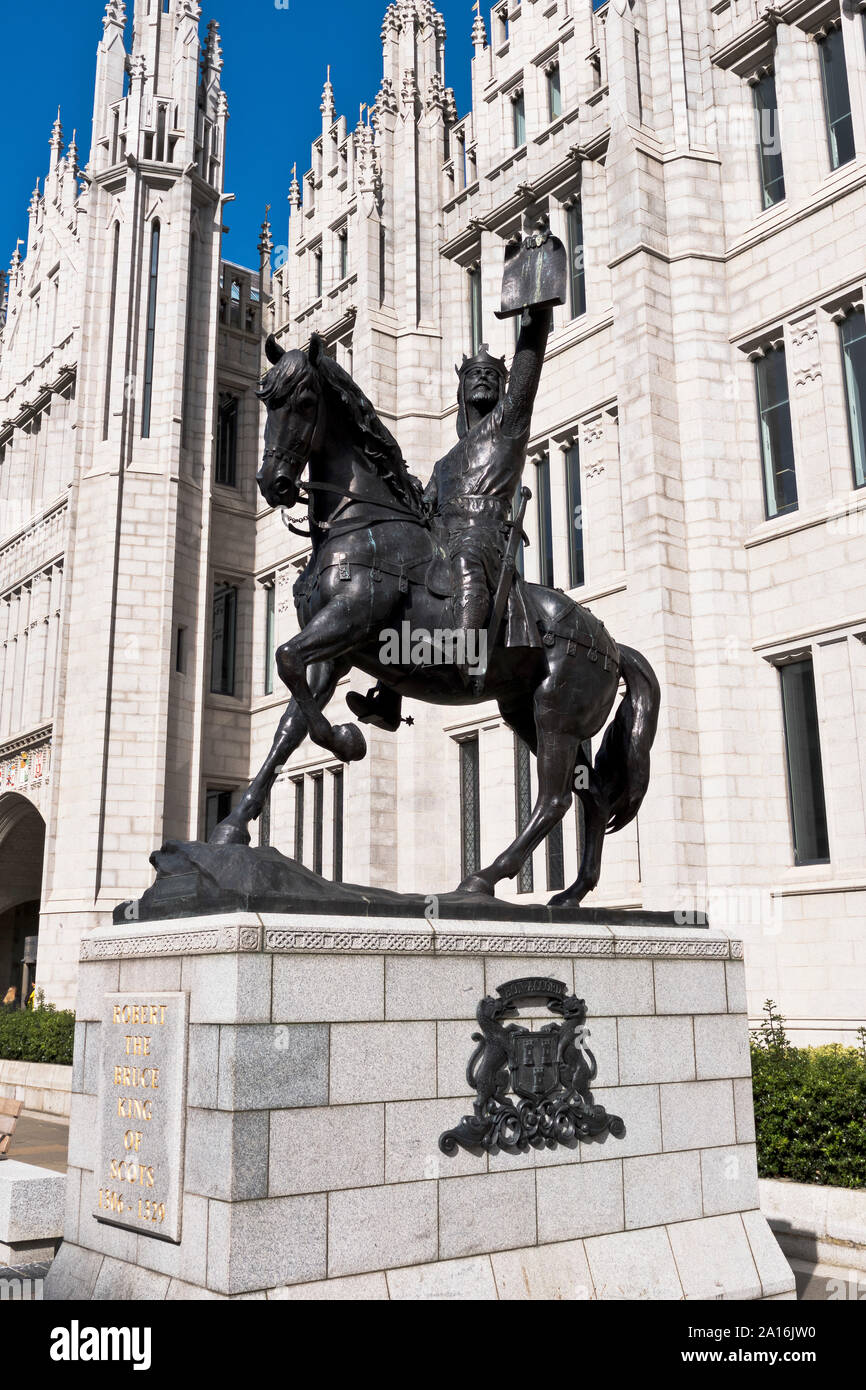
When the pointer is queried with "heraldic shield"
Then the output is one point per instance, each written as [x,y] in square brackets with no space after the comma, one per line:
[550,1073]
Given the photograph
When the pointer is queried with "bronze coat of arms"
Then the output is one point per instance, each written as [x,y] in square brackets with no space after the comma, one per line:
[549,1072]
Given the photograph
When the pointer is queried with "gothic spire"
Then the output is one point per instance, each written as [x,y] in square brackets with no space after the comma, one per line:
[115,13]
[213,51]
[266,241]
[56,141]
[479,31]
[295,188]
[327,108]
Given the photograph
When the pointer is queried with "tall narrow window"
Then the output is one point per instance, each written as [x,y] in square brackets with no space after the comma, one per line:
[769,141]
[180,651]
[299,819]
[777,440]
[523,805]
[150,335]
[270,631]
[837,98]
[217,806]
[109,349]
[476,326]
[317,272]
[337,787]
[545,522]
[343,248]
[576,571]
[577,274]
[853,334]
[318,820]
[518,109]
[227,440]
[554,93]
[803,753]
[224,639]
[470,806]
[555,855]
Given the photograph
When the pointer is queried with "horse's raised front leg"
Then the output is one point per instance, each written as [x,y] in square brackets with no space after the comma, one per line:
[291,731]
[337,629]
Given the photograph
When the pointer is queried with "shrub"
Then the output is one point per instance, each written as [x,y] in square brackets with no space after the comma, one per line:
[810,1107]
[43,1034]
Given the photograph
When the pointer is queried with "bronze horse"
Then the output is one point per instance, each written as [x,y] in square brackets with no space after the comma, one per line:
[372,549]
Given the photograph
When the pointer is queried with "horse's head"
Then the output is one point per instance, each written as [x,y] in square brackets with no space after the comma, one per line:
[292,392]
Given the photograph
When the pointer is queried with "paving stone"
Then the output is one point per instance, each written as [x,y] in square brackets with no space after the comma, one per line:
[543,1272]
[73,1274]
[360,1288]
[714,1259]
[446,1281]
[775,1273]
[32,1200]
[120,1282]
[633,1265]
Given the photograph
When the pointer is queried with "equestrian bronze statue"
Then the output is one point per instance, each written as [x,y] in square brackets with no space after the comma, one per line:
[386,553]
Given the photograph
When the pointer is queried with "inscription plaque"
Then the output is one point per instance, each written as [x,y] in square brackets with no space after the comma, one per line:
[141,1109]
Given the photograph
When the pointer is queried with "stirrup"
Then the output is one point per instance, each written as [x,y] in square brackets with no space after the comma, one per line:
[376,708]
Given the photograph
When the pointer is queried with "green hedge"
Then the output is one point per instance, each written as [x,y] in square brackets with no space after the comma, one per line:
[43,1034]
[810,1107]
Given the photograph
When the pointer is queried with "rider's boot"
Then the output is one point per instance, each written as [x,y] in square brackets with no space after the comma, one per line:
[470,614]
[381,707]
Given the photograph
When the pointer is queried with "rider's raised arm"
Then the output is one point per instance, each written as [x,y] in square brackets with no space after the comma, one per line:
[525,371]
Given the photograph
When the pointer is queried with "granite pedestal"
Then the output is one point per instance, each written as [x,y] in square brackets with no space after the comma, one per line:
[314,1064]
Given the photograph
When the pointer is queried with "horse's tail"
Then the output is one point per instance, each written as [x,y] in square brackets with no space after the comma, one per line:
[623,762]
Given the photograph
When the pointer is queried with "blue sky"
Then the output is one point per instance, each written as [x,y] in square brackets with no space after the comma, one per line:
[275,62]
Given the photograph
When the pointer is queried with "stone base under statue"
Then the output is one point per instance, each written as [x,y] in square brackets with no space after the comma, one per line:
[291,1148]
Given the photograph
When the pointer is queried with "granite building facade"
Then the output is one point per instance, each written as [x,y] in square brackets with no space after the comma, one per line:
[697,460]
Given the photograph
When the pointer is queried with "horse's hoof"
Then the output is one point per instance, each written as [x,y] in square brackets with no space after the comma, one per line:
[226,833]
[474,883]
[348,742]
[564,899]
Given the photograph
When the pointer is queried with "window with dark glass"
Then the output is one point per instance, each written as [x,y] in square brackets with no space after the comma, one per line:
[523,805]
[270,631]
[555,855]
[150,331]
[554,93]
[343,247]
[298,783]
[803,755]
[577,276]
[476,327]
[337,787]
[470,806]
[837,98]
[180,651]
[518,109]
[769,140]
[545,521]
[317,271]
[227,440]
[853,335]
[318,820]
[576,571]
[218,804]
[777,440]
[224,639]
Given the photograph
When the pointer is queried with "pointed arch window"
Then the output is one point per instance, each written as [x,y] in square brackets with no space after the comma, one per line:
[150,338]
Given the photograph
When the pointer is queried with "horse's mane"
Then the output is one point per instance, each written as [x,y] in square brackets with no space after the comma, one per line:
[377,442]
